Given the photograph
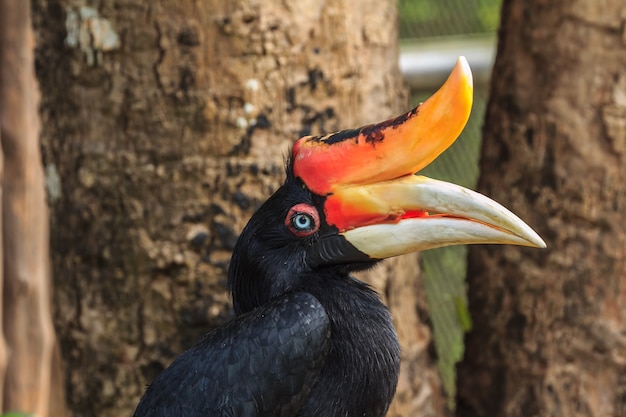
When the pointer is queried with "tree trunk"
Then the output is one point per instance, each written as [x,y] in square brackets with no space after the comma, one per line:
[550,326]
[28,366]
[166,123]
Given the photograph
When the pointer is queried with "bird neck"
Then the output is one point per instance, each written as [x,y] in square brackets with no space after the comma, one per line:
[251,286]
[362,369]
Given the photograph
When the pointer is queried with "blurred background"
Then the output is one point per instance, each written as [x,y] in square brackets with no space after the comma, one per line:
[139,137]
[433,33]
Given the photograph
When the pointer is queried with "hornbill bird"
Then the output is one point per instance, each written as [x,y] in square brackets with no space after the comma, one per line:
[309,339]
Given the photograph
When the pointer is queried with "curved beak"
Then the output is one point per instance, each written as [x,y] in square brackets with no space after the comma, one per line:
[423,213]
[375,201]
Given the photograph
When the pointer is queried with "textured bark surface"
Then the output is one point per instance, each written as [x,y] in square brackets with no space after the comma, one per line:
[550,325]
[166,123]
[28,367]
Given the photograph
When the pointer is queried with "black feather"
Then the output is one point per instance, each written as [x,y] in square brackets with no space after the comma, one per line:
[310,340]
[263,363]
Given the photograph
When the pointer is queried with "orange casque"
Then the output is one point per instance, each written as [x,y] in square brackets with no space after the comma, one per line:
[329,165]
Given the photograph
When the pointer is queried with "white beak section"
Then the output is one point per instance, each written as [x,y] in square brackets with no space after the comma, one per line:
[381,241]
[456,215]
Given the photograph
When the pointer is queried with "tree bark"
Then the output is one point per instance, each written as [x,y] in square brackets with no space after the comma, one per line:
[549,335]
[166,123]
[27,364]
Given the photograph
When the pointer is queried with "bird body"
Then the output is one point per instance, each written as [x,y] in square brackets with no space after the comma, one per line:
[237,370]
[309,339]
[286,362]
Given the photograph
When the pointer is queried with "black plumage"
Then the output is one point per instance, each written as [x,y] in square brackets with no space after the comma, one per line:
[309,339]
[280,345]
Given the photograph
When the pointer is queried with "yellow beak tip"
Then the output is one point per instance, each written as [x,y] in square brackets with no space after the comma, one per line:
[465,70]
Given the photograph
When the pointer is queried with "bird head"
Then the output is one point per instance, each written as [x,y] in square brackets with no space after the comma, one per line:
[353,198]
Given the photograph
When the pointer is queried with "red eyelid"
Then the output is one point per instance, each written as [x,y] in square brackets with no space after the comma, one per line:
[306,209]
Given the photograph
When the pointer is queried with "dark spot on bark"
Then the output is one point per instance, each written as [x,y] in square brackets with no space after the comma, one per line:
[310,114]
[316,50]
[198,240]
[498,385]
[324,116]
[241,200]
[249,18]
[315,75]
[529,135]
[197,217]
[245,143]
[188,36]
[254,169]
[186,79]
[262,122]
[504,155]
[620,398]
[216,209]
[232,170]
[225,234]
[432,351]
[529,406]
[290,97]
[572,310]
[196,313]
[311,117]
[152,369]
[515,328]
[571,288]
[548,177]
[305,131]
[125,107]
[273,170]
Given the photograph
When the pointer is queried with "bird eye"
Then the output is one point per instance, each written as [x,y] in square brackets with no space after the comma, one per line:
[303,220]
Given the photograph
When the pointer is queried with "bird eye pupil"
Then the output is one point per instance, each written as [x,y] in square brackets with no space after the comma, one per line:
[302,221]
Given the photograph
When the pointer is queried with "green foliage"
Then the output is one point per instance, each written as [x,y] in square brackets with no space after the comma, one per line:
[434,18]
[444,283]
[445,268]
[462,313]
